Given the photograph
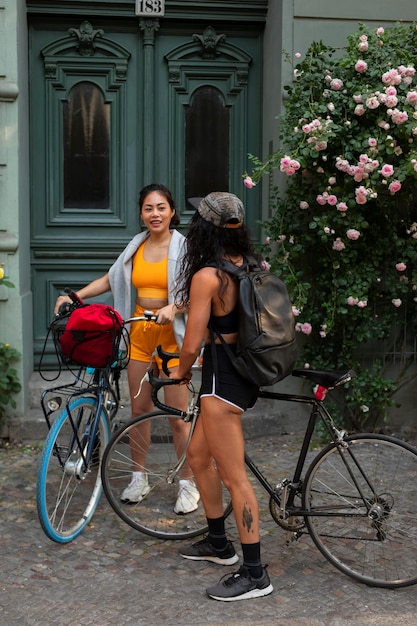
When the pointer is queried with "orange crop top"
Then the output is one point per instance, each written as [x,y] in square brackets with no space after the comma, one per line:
[150,279]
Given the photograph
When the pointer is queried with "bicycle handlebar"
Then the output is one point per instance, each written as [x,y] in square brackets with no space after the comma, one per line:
[74,297]
[157,384]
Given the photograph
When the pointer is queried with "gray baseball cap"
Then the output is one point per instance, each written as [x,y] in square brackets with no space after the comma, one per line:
[222,209]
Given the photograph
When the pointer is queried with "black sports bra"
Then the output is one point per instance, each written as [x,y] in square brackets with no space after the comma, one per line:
[225,324]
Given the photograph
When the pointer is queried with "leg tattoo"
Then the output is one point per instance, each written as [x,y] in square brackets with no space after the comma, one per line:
[247,518]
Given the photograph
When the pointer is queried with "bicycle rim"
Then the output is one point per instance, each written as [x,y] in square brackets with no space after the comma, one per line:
[362,503]
[154,515]
[67,493]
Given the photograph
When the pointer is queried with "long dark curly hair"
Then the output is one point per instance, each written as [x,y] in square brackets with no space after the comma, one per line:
[206,244]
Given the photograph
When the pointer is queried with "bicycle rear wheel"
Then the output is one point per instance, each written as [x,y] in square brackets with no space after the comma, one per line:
[154,515]
[68,491]
[362,503]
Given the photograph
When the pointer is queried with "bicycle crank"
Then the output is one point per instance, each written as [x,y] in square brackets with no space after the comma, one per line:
[279,512]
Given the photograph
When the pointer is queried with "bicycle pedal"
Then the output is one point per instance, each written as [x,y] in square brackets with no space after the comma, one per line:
[291,537]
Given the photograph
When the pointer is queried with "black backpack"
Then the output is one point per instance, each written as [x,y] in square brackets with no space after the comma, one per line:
[266,347]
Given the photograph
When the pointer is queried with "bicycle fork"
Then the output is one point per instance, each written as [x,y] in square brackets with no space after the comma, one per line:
[82,448]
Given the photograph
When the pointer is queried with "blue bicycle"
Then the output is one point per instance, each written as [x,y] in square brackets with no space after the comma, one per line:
[80,417]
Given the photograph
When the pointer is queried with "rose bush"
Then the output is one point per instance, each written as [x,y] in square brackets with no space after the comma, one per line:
[344,234]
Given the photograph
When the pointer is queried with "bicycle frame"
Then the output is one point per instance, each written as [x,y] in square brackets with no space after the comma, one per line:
[97,388]
[295,483]
[286,504]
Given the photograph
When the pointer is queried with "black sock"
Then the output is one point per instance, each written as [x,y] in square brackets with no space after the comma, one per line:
[252,559]
[217,533]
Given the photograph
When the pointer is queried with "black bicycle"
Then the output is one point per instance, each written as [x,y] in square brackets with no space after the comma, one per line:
[357,499]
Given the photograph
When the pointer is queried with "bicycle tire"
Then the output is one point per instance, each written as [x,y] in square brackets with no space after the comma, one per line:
[67,495]
[370,536]
[154,515]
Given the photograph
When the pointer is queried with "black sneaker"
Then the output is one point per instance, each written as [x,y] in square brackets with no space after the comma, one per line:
[203,551]
[241,586]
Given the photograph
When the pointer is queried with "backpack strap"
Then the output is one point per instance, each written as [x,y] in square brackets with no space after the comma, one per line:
[238,272]
[250,264]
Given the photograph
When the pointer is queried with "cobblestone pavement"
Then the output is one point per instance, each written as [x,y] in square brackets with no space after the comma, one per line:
[112,575]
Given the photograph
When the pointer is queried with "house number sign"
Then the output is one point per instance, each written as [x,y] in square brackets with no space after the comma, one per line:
[150,8]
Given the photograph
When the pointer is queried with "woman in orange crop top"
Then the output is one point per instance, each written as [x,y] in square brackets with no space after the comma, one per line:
[150,263]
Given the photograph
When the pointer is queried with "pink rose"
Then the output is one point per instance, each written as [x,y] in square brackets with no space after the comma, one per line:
[338,245]
[361,66]
[387,170]
[342,206]
[336,84]
[391,101]
[394,186]
[306,328]
[372,102]
[396,302]
[398,117]
[352,234]
[401,267]
[392,77]
[352,301]
[412,97]
[361,198]
[248,182]
[289,166]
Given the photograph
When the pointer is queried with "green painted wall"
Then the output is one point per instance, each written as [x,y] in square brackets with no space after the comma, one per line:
[15,304]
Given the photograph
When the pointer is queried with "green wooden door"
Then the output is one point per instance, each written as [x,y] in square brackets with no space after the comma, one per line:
[117,104]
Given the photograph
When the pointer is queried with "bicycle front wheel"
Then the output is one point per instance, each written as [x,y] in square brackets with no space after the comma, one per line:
[362,509]
[68,485]
[150,438]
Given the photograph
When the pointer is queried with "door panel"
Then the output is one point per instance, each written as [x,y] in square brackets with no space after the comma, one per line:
[85,134]
[230,66]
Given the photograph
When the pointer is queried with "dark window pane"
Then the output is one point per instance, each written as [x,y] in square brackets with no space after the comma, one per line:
[206,143]
[86,148]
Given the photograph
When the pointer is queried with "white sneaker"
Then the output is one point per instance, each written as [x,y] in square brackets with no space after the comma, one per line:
[137,489]
[188,497]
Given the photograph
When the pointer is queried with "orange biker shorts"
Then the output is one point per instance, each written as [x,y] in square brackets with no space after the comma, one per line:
[146,336]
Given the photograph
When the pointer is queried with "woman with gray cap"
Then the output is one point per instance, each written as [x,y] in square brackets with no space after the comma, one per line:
[216,451]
